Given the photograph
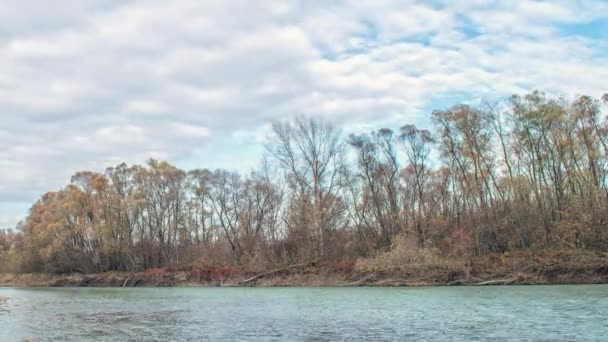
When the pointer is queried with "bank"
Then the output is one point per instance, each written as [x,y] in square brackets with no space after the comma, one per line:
[546,267]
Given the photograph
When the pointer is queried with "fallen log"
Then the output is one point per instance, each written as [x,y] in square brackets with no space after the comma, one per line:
[456,282]
[363,280]
[506,281]
[265,274]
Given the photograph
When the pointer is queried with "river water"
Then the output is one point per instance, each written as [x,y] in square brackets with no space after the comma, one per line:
[497,313]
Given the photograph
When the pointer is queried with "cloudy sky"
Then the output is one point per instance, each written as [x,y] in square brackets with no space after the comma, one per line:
[87,84]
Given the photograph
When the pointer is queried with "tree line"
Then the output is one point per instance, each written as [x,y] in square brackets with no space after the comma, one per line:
[528,174]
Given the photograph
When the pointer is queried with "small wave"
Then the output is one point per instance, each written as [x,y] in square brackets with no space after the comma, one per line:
[3,309]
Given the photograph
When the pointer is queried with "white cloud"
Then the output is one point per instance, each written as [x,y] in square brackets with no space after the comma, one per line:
[88,84]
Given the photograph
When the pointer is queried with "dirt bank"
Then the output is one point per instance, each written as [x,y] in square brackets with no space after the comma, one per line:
[549,267]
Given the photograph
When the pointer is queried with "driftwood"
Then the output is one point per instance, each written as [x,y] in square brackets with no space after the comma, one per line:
[506,281]
[363,280]
[456,282]
[265,274]
[131,281]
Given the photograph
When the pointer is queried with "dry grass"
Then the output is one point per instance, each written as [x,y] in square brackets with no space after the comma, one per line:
[406,256]
[404,265]
[541,267]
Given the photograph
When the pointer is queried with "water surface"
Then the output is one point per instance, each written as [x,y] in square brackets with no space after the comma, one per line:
[499,313]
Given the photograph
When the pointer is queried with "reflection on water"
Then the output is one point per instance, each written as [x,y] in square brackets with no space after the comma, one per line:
[550,313]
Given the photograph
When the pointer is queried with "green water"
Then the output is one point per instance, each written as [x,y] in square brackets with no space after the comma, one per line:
[500,313]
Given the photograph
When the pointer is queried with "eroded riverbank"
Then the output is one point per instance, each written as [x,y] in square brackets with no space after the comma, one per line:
[181,279]
[546,268]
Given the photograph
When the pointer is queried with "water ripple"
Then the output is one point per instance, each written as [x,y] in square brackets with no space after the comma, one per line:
[513,313]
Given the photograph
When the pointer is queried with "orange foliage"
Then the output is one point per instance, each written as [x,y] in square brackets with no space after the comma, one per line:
[344,267]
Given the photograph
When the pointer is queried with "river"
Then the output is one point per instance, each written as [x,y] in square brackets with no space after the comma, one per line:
[498,313]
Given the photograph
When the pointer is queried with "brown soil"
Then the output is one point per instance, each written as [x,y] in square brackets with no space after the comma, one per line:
[548,267]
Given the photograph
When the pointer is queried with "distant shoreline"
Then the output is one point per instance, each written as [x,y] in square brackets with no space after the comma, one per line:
[494,270]
[114,280]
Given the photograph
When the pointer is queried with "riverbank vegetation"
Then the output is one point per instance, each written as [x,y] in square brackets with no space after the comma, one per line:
[504,186]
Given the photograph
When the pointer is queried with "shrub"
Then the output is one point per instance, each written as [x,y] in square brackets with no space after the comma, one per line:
[406,255]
